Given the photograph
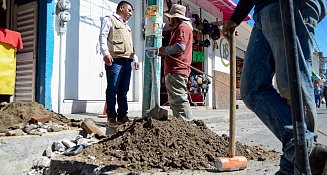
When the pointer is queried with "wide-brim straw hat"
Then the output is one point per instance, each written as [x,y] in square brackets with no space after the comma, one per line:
[177,11]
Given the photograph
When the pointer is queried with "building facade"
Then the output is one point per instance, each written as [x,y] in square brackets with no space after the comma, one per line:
[65,72]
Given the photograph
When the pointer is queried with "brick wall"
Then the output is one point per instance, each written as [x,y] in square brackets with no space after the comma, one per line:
[221,90]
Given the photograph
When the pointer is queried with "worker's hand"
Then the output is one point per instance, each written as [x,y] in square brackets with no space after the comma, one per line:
[160,53]
[136,65]
[108,60]
[228,28]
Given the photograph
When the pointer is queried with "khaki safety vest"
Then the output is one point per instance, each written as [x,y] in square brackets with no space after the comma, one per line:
[120,42]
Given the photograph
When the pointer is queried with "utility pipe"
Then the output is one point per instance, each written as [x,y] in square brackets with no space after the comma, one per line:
[152,40]
[61,86]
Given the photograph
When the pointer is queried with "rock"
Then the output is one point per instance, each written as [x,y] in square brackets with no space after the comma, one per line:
[248,151]
[31,172]
[65,127]
[83,141]
[261,158]
[4,103]
[34,132]
[16,132]
[29,128]
[89,126]
[77,138]
[46,126]
[18,126]
[89,136]
[55,128]
[39,124]
[91,157]
[58,146]
[42,130]
[93,140]
[42,162]
[48,152]
[68,143]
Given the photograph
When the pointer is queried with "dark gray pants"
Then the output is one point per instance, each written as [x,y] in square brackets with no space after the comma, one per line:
[176,85]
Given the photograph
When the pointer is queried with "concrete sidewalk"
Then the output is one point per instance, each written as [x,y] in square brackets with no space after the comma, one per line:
[204,113]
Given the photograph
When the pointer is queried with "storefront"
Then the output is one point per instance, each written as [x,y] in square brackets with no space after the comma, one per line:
[65,72]
[211,53]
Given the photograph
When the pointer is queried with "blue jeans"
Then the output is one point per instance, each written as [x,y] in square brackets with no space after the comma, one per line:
[265,57]
[118,80]
[318,100]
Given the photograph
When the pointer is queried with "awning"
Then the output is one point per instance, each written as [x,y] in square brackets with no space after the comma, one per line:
[315,76]
[227,9]
[226,6]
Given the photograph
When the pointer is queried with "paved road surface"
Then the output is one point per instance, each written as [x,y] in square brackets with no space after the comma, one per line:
[322,124]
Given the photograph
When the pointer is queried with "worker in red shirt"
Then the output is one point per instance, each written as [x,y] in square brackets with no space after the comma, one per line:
[176,74]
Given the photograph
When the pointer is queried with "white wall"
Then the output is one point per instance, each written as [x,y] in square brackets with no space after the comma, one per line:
[84,87]
[222,56]
[315,62]
[222,51]
[242,39]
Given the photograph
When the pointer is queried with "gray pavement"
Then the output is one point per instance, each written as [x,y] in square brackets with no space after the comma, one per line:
[208,115]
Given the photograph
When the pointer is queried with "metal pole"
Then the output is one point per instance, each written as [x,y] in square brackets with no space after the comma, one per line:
[301,163]
[152,40]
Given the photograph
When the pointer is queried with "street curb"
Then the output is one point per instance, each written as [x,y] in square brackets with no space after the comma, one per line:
[17,153]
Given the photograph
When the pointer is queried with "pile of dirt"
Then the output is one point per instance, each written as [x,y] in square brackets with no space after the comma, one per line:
[19,112]
[167,145]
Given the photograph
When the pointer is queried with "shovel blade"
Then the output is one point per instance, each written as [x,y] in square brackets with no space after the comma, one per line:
[157,113]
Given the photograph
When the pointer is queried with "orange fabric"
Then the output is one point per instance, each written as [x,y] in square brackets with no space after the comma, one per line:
[11,37]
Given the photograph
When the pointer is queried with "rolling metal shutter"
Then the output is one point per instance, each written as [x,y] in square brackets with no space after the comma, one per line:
[240,53]
[25,22]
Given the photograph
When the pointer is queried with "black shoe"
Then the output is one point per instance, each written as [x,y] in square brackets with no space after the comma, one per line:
[317,159]
[280,173]
[112,122]
[122,120]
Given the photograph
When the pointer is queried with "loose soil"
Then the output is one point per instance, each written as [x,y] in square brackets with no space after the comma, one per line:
[166,145]
[18,112]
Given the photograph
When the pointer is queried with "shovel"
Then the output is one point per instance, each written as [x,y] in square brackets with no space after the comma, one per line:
[156,112]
